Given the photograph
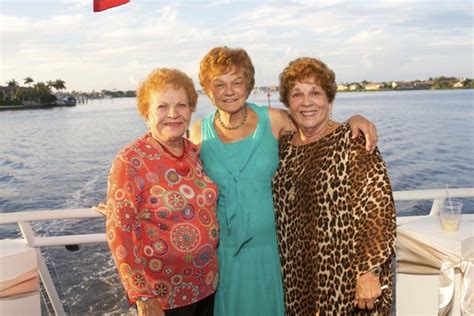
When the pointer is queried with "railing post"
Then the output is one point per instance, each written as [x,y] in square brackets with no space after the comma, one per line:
[27,233]
[49,285]
[435,207]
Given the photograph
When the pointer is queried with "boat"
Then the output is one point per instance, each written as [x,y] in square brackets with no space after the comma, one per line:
[416,292]
[67,100]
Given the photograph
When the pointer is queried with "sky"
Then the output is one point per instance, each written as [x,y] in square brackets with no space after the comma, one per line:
[379,40]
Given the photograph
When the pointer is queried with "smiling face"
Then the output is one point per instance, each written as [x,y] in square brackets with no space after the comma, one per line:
[229,91]
[309,106]
[169,114]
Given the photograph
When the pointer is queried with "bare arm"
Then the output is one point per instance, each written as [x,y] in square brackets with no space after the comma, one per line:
[375,232]
[280,122]
[150,307]
[360,123]
[195,133]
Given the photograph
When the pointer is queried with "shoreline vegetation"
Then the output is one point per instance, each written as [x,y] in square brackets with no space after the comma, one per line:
[33,95]
[40,95]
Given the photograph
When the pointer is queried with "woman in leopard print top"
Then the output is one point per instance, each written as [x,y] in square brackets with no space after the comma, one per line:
[334,206]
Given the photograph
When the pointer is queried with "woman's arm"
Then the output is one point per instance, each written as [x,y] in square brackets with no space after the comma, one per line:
[122,225]
[281,124]
[195,133]
[374,212]
[360,123]
[149,307]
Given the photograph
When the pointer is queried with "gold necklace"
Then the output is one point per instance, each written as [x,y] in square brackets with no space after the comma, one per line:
[327,130]
[244,119]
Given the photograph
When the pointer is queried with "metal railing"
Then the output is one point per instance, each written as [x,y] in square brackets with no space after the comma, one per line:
[23,219]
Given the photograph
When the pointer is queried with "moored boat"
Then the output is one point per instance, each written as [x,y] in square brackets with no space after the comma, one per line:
[67,100]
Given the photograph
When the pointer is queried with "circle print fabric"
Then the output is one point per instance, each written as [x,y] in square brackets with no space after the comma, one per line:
[185,237]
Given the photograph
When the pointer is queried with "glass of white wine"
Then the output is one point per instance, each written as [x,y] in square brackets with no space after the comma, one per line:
[450,215]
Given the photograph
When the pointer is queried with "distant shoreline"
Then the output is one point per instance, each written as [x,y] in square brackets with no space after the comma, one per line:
[378,90]
[399,90]
[27,107]
[54,105]
[31,107]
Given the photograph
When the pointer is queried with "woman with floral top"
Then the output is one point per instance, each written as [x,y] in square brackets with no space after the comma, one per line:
[161,207]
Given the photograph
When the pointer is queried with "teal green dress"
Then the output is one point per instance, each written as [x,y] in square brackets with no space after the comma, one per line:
[250,281]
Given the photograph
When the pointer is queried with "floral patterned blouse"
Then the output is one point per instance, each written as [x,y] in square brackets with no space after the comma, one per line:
[161,224]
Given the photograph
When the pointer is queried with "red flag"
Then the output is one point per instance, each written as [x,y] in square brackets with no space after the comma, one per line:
[101,5]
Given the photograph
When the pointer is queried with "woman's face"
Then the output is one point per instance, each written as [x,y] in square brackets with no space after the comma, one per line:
[169,114]
[309,106]
[229,91]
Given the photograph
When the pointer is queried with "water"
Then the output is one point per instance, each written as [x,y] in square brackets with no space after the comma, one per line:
[59,158]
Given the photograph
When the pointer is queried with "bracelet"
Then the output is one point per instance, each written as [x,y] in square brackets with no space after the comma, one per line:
[143,304]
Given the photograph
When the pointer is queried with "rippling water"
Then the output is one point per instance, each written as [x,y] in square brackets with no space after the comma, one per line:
[59,158]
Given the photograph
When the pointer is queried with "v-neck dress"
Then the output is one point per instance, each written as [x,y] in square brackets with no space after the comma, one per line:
[250,281]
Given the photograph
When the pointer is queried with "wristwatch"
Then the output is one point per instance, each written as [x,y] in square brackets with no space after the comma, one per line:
[376,270]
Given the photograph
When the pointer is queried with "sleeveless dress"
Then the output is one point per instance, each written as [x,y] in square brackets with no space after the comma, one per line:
[250,281]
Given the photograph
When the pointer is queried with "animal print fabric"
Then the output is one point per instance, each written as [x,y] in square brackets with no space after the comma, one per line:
[335,221]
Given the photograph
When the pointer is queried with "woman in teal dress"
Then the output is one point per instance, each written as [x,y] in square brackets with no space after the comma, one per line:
[239,150]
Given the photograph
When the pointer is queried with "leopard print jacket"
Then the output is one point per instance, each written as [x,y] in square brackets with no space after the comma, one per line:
[335,221]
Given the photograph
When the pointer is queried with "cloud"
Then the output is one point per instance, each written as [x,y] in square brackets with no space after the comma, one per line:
[133,81]
[373,40]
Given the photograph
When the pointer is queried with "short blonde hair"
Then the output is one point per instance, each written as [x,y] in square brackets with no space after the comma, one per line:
[221,60]
[156,82]
[303,69]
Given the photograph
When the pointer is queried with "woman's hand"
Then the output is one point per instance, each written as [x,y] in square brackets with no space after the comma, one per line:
[358,122]
[367,290]
[150,307]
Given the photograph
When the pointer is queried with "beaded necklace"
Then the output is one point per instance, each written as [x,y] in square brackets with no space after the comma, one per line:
[181,166]
[244,119]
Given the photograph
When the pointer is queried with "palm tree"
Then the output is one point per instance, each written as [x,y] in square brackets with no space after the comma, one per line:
[59,84]
[12,83]
[13,89]
[42,87]
[28,81]
[43,92]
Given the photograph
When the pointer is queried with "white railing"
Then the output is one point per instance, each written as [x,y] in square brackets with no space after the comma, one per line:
[23,220]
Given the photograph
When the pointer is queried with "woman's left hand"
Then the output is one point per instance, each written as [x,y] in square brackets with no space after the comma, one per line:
[367,290]
[360,123]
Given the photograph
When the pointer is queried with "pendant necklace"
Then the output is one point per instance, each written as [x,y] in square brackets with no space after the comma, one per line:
[181,166]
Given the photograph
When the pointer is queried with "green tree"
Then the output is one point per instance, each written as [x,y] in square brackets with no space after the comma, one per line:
[12,83]
[43,92]
[42,87]
[28,81]
[13,89]
[130,94]
[59,84]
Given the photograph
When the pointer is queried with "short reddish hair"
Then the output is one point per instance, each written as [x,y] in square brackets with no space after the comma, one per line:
[221,60]
[156,82]
[304,69]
